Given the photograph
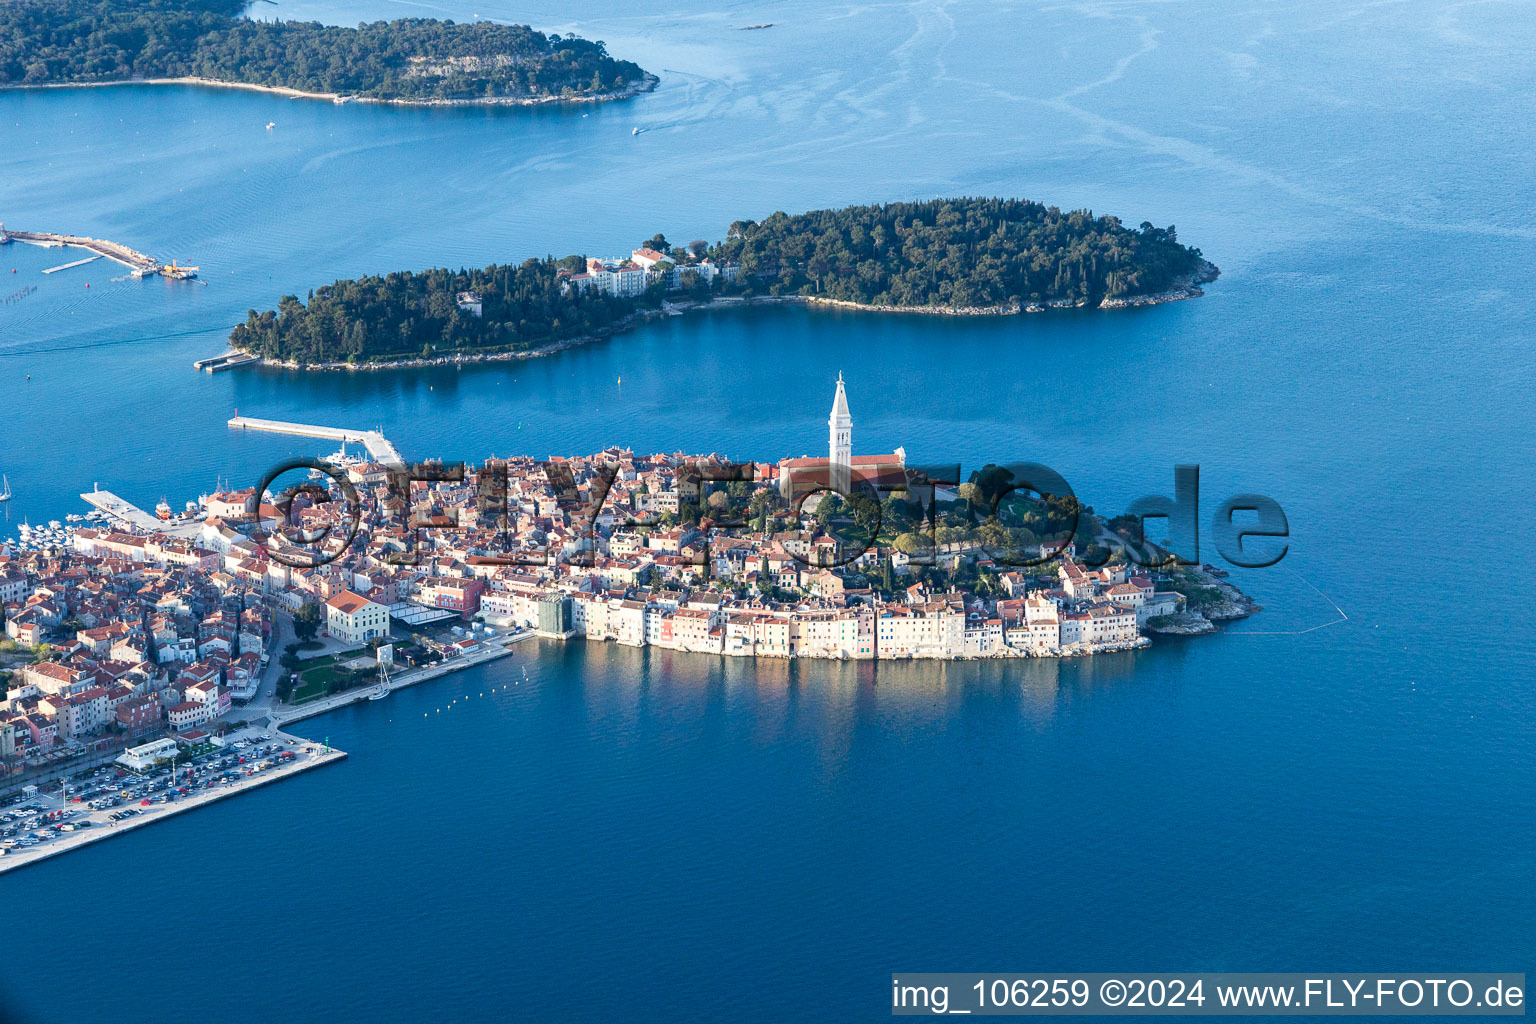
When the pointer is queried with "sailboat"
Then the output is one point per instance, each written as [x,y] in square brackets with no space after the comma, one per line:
[5,495]
[383,690]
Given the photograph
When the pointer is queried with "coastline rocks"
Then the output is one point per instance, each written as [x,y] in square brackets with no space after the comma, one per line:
[464,358]
[1234,605]
[1187,288]
[1184,624]
[929,310]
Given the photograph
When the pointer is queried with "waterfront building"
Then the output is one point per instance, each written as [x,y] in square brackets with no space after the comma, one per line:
[353,619]
[649,258]
[188,714]
[148,756]
[555,618]
[139,715]
[453,593]
[628,277]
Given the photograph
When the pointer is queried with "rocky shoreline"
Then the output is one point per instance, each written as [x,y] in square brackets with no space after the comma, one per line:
[1234,605]
[813,300]
[645,84]
[1187,290]
[465,358]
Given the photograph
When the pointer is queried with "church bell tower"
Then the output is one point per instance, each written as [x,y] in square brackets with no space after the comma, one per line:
[840,440]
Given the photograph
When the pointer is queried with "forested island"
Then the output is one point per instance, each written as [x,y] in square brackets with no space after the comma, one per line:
[966,255]
[961,253]
[412,60]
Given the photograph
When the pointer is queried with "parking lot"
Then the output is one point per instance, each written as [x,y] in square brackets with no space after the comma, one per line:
[103,798]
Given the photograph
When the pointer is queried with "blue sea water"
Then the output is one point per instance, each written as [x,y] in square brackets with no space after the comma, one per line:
[639,834]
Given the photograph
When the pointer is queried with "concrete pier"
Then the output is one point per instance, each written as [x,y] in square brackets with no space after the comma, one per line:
[126,514]
[377,444]
[131,258]
[70,266]
[229,360]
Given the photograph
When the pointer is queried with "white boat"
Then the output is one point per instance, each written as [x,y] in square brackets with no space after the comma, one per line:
[634,131]
[54,524]
[339,459]
[271,125]
[383,690]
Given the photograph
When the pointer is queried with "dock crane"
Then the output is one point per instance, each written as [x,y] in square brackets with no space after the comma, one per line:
[178,273]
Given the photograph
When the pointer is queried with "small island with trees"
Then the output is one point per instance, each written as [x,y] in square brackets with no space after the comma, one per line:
[965,256]
[408,61]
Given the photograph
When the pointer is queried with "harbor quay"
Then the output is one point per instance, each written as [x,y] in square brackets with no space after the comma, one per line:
[486,652]
[111,800]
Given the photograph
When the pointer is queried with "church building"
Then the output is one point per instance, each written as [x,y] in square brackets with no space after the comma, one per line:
[841,470]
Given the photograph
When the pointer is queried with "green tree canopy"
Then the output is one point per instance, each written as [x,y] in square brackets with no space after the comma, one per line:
[59,41]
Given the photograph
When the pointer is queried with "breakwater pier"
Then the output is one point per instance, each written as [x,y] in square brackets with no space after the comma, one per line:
[374,440]
[228,361]
[140,264]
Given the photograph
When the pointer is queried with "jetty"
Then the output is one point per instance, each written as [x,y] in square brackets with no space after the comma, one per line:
[140,264]
[374,440]
[67,266]
[125,513]
[229,360]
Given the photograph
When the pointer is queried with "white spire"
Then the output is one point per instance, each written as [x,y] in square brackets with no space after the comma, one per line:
[840,404]
[840,438]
